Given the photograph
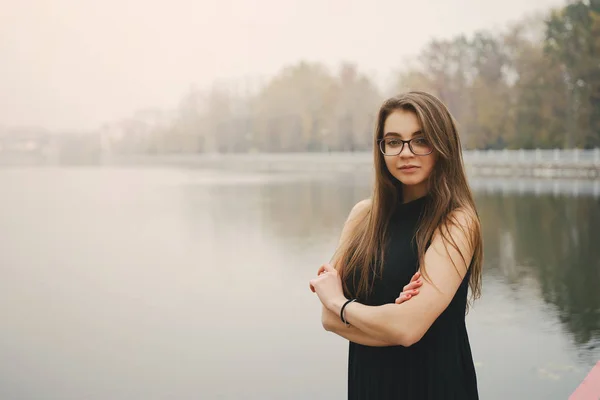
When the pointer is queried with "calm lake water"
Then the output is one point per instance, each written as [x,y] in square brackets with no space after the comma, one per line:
[155,283]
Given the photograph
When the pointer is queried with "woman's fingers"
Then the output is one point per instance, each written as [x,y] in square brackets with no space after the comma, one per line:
[328,268]
[402,298]
[407,294]
[325,268]
[322,269]
[415,282]
[413,285]
[410,290]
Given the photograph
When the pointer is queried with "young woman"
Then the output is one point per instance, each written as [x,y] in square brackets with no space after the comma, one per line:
[420,219]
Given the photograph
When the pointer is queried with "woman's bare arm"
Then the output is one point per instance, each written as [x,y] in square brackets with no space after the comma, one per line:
[405,324]
[333,323]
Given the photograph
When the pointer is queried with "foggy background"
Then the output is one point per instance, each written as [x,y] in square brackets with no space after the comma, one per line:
[172,174]
[69,65]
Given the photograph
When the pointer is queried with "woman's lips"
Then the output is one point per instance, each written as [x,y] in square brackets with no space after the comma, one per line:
[409,168]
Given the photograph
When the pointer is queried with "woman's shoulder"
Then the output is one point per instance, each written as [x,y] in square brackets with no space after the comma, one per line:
[461,223]
[358,214]
[463,216]
[360,209]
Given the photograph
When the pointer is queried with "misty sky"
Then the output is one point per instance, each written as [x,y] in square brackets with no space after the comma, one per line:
[69,64]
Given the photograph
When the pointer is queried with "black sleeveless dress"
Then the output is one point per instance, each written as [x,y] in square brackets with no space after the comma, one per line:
[439,366]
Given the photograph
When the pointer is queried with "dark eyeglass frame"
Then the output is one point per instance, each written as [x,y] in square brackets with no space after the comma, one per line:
[379,141]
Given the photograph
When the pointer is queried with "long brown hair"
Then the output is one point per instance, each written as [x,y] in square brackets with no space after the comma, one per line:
[363,250]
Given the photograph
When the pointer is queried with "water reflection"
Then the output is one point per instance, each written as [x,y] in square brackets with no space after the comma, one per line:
[541,246]
[537,324]
[550,238]
[532,242]
[150,283]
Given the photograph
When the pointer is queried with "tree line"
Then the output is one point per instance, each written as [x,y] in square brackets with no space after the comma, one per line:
[535,84]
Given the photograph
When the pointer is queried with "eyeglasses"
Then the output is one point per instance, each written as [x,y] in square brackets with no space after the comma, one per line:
[393,146]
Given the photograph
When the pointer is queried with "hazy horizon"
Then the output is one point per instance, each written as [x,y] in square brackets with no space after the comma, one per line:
[70,65]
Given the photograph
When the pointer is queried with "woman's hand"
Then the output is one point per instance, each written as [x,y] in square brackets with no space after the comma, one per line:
[410,290]
[327,285]
[319,272]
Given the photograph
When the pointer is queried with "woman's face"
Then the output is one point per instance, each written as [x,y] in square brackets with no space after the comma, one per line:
[410,169]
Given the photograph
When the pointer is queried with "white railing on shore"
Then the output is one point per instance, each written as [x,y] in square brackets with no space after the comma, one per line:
[570,158]
[507,163]
[558,186]
[492,157]
[537,156]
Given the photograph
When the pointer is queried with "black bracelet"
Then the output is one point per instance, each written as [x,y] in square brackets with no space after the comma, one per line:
[342,311]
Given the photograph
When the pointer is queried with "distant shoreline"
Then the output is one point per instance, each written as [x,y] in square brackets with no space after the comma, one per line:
[538,164]
[542,164]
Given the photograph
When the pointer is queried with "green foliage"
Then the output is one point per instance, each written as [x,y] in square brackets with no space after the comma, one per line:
[573,41]
[534,85]
[520,89]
